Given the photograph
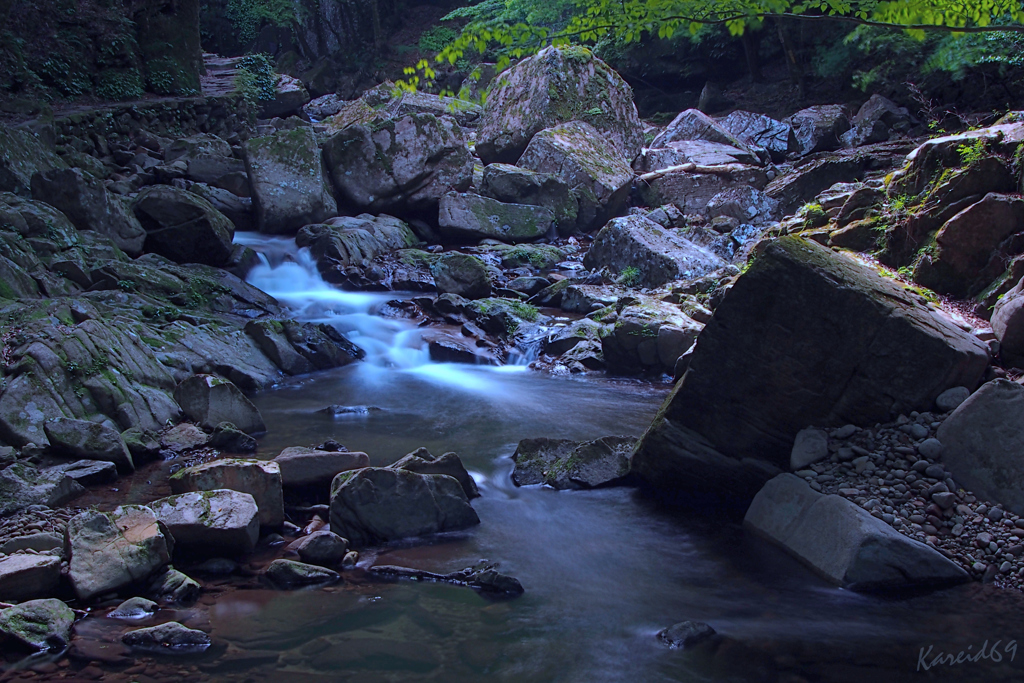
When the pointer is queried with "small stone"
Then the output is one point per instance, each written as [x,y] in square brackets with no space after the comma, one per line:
[1005,567]
[935,472]
[944,500]
[958,530]
[930,448]
[845,432]
[811,445]
[288,574]
[350,560]
[951,398]
[685,634]
[920,466]
[994,515]
[917,431]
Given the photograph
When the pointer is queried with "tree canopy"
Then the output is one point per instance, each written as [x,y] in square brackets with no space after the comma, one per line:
[515,28]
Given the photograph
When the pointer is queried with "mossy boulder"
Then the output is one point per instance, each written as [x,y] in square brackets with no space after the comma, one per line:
[211,400]
[354,240]
[399,166]
[555,86]
[38,624]
[833,342]
[515,185]
[468,215]
[22,155]
[289,186]
[567,464]
[462,274]
[22,485]
[89,206]
[585,160]
[88,440]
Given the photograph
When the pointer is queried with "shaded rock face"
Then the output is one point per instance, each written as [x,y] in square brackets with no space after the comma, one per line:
[818,129]
[557,85]
[289,97]
[578,155]
[298,348]
[22,485]
[967,254]
[112,550]
[758,130]
[261,480]
[658,255]
[354,241]
[567,464]
[1008,323]
[694,124]
[842,542]
[218,522]
[88,204]
[24,576]
[471,216]
[38,624]
[647,336]
[310,467]
[289,185]
[90,440]
[515,185]
[836,343]
[211,400]
[399,166]
[691,192]
[183,226]
[699,152]
[801,185]
[981,443]
[174,587]
[376,505]
[22,155]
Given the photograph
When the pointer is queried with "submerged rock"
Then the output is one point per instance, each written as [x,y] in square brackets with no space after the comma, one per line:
[376,505]
[685,634]
[486,578]
[134,608]
[169,637]
[842,542]
[567,464]
[175,587]
[290,574]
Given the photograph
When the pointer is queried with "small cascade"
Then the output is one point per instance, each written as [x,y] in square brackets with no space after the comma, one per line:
[290,275]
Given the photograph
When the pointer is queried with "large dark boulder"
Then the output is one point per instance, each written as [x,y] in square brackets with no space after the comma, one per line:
[89,205]
[804,337]
[379,504]
[22,155]
[555,86]
[183,226]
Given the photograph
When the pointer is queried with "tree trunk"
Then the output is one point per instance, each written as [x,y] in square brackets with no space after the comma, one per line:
[751,42]
[796,72]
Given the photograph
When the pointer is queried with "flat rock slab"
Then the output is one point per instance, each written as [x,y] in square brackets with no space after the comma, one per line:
[469,215]
[842,542]
[171,637]
[291,574]
[24,576]
[311,467]
[222,522]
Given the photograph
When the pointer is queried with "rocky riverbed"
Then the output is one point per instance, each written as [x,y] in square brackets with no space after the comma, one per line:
[417,233]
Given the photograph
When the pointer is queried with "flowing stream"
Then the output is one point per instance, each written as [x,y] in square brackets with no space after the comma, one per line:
[603,570]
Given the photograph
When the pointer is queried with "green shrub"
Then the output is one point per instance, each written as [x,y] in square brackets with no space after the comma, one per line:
[256,81]
[435,39]
[119,85]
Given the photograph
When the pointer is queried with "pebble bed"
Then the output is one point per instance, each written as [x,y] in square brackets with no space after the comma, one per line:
[895,472]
